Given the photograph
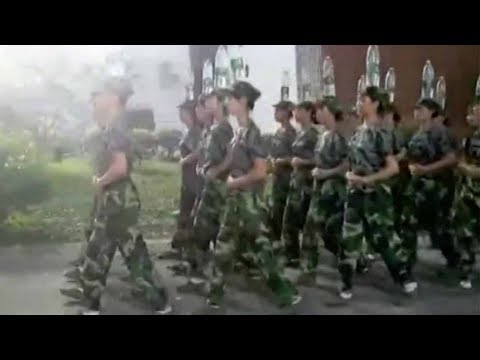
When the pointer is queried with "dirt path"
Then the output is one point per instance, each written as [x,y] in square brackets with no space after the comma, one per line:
[30,277]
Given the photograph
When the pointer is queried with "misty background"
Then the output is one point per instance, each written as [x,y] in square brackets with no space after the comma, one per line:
[40,80]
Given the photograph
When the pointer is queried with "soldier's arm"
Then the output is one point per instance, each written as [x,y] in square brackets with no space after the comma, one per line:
[443,145]
[190,158]
[118,170]
[390,169]
[258,173]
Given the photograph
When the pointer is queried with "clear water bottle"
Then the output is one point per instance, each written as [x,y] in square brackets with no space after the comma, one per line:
[207,81]
[428,76]
[373,66]
[390,83]
[189,86]
[237,62]
[441,92]
[328,77]
[222,68]
[477,88]
[285,89]
[361,86]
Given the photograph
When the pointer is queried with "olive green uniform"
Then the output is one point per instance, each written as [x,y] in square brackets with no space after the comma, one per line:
[281,148]
[325,215]
[299,194]
[426,195]
[114,226]
[369,210]
[242,235]
[466,209]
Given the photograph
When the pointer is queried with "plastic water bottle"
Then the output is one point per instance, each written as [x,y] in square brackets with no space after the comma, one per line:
[328,77]
[373,66]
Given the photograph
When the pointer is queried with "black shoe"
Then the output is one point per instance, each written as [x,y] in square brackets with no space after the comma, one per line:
[73,274]
[74,293]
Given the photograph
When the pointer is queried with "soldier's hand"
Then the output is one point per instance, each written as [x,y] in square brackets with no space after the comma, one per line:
[231,183]
[97,185]
[416,169]
[210,174]
[353,179]
[296,162]
[318,173]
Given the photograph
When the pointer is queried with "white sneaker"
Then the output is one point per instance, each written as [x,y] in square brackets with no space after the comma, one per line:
[466,284]
[296,299]
[346,294]
[165,311]
[196,281]
[410,287]
[91,312]
[371,257]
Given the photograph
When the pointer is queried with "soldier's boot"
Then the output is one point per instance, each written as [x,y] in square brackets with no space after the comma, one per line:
[73,274]
[346,272]
[75,293]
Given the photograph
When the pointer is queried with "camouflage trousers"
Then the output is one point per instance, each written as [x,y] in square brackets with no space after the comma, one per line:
[188,196]
[324,221]
[114,227]
[296,210]
[208,214]
[424,202]
[369,215]
[242,237]
[279,195]
[466,225]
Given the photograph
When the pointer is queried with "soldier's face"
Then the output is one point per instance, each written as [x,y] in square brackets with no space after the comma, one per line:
[366,106]
[212,105]
[186,118]
[421,113]
[473,119]
[388,121]
[326,118]
[301,116]
[281,115]
[235,106]
[200,112]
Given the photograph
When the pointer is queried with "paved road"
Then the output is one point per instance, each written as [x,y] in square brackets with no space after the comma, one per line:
[30,277]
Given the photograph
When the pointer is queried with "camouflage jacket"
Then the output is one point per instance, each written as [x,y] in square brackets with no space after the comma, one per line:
[368,148]
[282,142]
[190,142]
[331,150]
[247,145]
[216,144]
[429,145]
[304,145]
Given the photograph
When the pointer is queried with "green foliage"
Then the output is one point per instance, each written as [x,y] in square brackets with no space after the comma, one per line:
[22,172]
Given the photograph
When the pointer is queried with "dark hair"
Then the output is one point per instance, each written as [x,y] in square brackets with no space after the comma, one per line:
[332,105]
[391,108]
[309,107]
[431,105]
[376,95]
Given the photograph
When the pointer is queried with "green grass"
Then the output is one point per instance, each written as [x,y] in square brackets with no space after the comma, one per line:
[64,215]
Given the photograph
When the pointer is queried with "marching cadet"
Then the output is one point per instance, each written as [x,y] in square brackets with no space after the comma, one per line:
[325,215]
[214,171]
[301,182]
[391,122]
[466,210]
[189,147]
[430,154]
[118,209]
[242,233]
[369,207]
[281,154]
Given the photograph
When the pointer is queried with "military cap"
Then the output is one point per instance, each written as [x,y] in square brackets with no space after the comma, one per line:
[429,104]
[244,89]
[284,105]
[187,105]
[120,86]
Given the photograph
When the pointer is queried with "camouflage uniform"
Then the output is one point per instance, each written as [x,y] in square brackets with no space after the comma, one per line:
[189,187]
[242,233]
[299,194]
[114,227]
[425,196]
[369,210]
[212,200]
[281,149]
[325,215]
[466,209]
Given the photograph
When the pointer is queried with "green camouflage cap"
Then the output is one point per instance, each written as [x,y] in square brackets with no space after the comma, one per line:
[244,89]
[119,86]
[285,105]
